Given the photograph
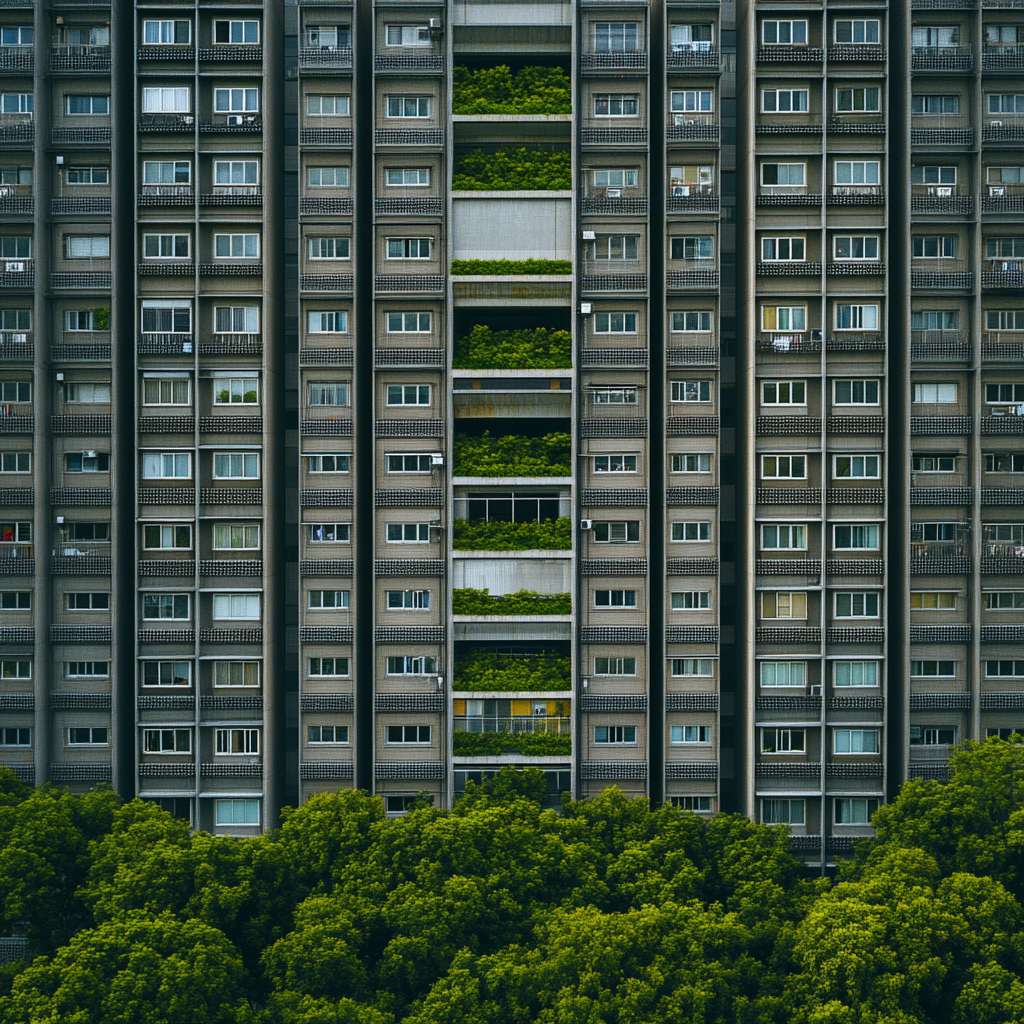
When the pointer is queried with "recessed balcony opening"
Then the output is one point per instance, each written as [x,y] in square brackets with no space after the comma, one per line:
[531,447]
[503,666]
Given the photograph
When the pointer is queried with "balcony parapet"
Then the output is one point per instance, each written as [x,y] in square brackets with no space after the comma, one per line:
[326,58]
[941,58]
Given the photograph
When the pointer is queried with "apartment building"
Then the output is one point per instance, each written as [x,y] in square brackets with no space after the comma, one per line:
[352,524]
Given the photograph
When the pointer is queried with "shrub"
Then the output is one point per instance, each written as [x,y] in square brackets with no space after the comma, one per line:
[466,601]
[536,744]
[480,535]
[534,349]
[476,268]
[532,90]
[513,455]
[506,673]
[512,170]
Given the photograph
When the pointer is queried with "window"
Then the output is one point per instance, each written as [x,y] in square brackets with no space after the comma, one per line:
[236,177]
[328,463]
[859,100]
[616,104]
[782,741]
[408,533]
[997,393]
[16,600]
[86,737]
[236,606]
[784,318]
[856,317]
[89,601]
[934,394]
[615,37]
[83,247]
[236,536]
[15,737]
[21,320]
[784,32]
[80,530]
[783,392]
[614,463]
[681,667]
[407,176]
[10,669]
[856,172]
[236,466]
[995,319]
[177,174]
[626,532]
[328,37]
[621,734]
[783,467]
[615,247]
[697,320]
[782,811]
[695,463]
[409,248]
[615,323]
[236,100]
[170,32]
[855,247]
[16,245]
[15,462]
[328,393]
[783,674]
[614,396]
[933,669]
[87,462]
[327,734]
[329,248]
[854,810]
[408,394]
[236,673]
[327,177]
[856,673]
[615,178]
[694,531]
[407,106]
[1001,248]
[320,599]
[691,600]
[938,37]
[783,174]
[1003,600]
[406,323]
[166,247]
[166,741]
[695,38]
[1004,462]
[615,666]
[783,537]
[401,463]
[229,390]
[86,393]
[240,246]
[856,467]
[1005,103]
[690,391]
[329,533]
[687,101]
[934,246]
[408,734]
[855,392]
[934,103]
[236,812]
[857,30]
[15,391]
[166,390]
[932,600]
[237,741]
[690,734]
[691,803]
[699,247]
[1004,669]
[414,599]
[407,35]
[100,105]
[323,322]
[166,673]
[777,604]
[614,598]
[236,32]
[327,105]
[855,741]
[1002,34]
[778,101]
[16,103]
[328,667]
[932,174]
[166,317]
[788,249]
[932,735]
[856,536]
[165,606]
[20,532]
[87,176]
[860,605]
[692,179]
[17,35]
[412,666]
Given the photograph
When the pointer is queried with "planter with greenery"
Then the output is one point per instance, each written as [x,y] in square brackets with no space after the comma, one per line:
[513,455]
[467,601]
[490,744]
[532,349]
[510,268]
[480,535]
[512,170]
[531,90]
[483,671]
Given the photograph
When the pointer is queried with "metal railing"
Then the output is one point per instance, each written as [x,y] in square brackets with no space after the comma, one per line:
[79,57]
[550,725]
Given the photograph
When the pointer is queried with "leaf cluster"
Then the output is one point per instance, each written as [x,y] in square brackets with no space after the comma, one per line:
[512,170]
[512,455]
[493,535]
[531,90]
[524,349]
[466,601]
[530,744]
[510,268]
[481,671]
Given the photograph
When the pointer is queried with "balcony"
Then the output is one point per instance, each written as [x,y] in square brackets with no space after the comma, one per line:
[166,268]
[232,344]
[941,58]
[1009,129]
[1007,57]
[406,136]
[75,57]
[233,124]
[786,196]
[167,123]
[624,206]
[691,199]
[692,55]
[239,195]
[1001,424]
[414,62]
[235,54]
[338,58]
[335,283]
[165,51]
[942,200]
[493,737]
[856,268]
[790,54]
[1001,199]
[1003,274]
[164,344]
[693,128]
[425,207]
[786,343]
[328,205]
[940,346]
[16,199]
[613,136]
[82,205]
[17,128]
[1002,346]
[166,195]
[941,279]
[232,268]
[16,346]
[17,273]
[611,61]
[788,268]
[17,58]
[692,276]
[805,127]
[856,195]
[75,279]
[940,426]
[327,137]
[857,53]
[854,124]
[936,130]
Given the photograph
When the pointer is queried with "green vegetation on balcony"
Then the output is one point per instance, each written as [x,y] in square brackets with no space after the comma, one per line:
[467,601]
[535,348]
[482,671]
[484,535]
[513,455]
[531,90]
[491,744]
[510,268]
[512,170]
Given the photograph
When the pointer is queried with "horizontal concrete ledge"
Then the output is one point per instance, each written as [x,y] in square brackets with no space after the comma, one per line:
[531,553]
[562,371]
[511,481]
[511,618]
[511,118]
[534,194]
[509,759]
[511,694]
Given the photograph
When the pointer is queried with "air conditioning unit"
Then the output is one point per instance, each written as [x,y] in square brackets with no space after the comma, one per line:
[16,267]
[816,690]
[589,236]
[996,190]
[235,120]
[586,524]
[436,459]
[614,193]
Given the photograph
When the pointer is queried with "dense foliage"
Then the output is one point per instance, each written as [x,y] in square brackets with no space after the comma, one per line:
[531,744]
[529,349]
[466,601]
[493,535]
[499,912]
[512,170]
[510,268]
[482,671]
[531,90]
[512,455]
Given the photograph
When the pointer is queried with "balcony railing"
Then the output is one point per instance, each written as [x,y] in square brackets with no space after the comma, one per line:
[856,195]
[165,344]
[75,57]
[1009,56]
[16,345]
[940,202]
[1002,345]
[232,344]
[788,268]
[787,196]
[941,279]
[790,54]
[550,725]
[16,58]
[1003,130]
[408,62]
[786,343]
[165,51]
[941,58]
[166,195]
[325,57]
[167,123]
[804,127]
[1004,274]
[693,128]
[940,345]
[624,61]
[852,52]
[686,198]
[613,136]
[692,55]
[17,128]
[233,53]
